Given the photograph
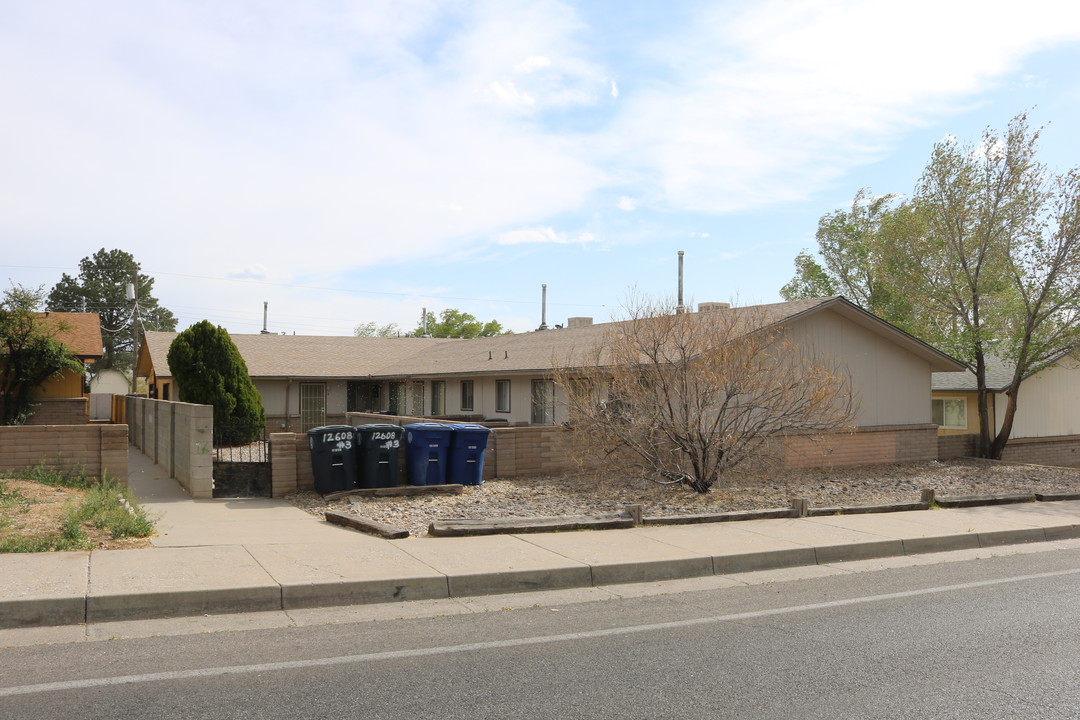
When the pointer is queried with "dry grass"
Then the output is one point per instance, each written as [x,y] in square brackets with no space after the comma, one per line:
[38,516]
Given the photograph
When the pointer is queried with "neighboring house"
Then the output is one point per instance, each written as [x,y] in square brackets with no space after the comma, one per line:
[1048,405]
[60,400]
[81,334]
[310,381]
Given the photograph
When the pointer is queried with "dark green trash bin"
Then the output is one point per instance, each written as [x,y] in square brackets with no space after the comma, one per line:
[333,457]
[379,444]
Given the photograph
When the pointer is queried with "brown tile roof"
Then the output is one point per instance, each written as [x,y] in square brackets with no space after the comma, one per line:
[80,332]
[305,356]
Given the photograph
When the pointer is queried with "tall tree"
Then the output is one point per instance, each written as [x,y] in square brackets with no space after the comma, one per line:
[30,353]
[990,261]
[686,397]
[101,287]
[373,329]
[453,323]
[852,245]
[210,371]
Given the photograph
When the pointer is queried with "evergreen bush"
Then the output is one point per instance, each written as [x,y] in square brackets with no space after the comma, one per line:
[210,371]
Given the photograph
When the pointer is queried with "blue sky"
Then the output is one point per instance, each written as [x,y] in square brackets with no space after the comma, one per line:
[357,161]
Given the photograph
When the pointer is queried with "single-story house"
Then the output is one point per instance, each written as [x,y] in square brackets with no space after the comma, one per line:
[81,334]
[310,381]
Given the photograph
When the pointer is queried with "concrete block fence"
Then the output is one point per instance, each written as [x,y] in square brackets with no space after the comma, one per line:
[177,436]
[97,450]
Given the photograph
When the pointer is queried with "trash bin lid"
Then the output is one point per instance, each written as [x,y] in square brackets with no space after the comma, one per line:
[379,427]
[329,428]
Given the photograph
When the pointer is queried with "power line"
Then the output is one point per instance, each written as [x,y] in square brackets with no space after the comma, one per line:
[252,281]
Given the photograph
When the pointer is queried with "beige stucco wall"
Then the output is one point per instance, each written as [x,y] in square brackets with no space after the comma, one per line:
[1048,404]
[891,384]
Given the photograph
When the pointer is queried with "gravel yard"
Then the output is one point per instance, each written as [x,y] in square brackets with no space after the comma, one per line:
[574,495]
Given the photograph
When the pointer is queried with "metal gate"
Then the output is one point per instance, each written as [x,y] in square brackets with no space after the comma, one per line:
[242,462]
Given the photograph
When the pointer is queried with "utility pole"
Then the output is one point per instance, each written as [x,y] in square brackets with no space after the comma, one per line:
[132,295]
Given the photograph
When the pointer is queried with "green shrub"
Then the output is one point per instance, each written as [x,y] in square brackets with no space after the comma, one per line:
[210,371]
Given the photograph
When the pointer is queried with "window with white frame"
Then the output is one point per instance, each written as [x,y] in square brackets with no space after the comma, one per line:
[502,396]
[466,394]
[949,413]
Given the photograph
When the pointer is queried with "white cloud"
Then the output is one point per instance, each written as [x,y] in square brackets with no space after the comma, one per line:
[699,234]
[768,104]
[626,203]
[532,63]
[506,93]
[614,89]
[543,235]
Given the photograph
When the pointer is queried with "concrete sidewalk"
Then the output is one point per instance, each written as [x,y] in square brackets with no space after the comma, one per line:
[243,555]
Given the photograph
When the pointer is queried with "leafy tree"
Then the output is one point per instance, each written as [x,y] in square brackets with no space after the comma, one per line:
[210,371]
[989,256]
[30,353]
[853,244]
[373,329]
[101,287]
[453,323]
[685,398]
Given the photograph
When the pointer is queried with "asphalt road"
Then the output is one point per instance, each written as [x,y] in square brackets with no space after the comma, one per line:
[992,638]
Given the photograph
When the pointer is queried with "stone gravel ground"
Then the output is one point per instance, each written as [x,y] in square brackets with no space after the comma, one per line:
[577,495]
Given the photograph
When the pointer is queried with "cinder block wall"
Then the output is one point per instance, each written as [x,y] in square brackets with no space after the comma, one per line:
[97,450]
[546,450]
[60,411]
[1061,450]
[865,446]
[954,446]
[177,436]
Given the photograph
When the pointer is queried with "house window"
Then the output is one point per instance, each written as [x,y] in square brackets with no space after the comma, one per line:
[417,399]
[361,396]
[438,397]
[397,398]
[543,402]
[466,394]
[164,391]
[949,413]
[502,396]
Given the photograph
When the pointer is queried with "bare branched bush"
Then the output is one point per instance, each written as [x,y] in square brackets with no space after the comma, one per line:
[685,398]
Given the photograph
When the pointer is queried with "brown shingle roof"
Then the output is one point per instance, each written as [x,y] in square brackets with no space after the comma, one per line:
[270,356]
[80,332]
[306,356]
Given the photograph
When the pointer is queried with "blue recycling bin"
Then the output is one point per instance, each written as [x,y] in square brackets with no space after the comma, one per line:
[333,458]
[426,452]
[466,460]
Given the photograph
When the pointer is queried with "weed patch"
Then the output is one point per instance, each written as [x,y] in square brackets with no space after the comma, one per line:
[42,510]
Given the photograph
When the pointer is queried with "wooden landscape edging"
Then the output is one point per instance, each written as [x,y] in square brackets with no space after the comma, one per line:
[365,524]
[460,527]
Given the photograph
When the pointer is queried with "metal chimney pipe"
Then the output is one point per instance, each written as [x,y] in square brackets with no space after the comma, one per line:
[543,307]
[264,330]
[680,308]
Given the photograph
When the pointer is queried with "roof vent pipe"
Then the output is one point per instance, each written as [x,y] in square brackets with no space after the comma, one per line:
[680,308]
[543,307]
[264,330]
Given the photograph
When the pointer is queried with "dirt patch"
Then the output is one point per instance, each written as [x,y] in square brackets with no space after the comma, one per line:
[30,510]
[579,495]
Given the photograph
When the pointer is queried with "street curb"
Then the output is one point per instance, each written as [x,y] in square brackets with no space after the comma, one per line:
[30,611]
